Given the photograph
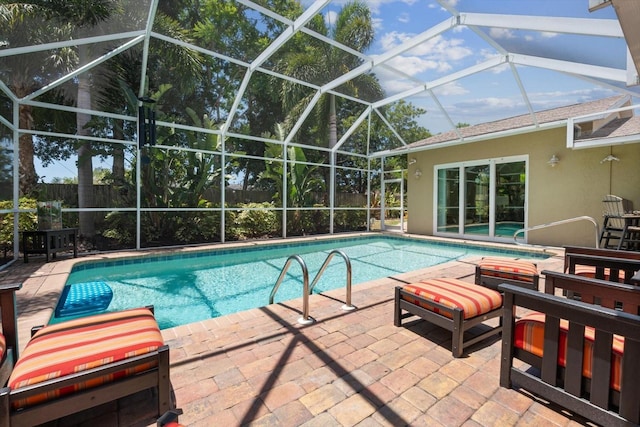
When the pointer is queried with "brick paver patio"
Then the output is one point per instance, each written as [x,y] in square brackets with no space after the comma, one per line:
[348,368]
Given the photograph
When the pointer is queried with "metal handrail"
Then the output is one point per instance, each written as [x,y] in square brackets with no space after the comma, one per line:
[305,319]
[347,305]
[563,221]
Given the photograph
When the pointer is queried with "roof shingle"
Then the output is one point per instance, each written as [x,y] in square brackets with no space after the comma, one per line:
[524,120]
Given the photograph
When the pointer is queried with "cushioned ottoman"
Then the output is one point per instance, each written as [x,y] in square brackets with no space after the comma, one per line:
[492,271]
[102,357]
[452,304]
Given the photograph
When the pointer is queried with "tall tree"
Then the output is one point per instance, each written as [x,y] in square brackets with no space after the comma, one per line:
[322,62]
[239,32]
[59,19]
[25,24]
[85,16]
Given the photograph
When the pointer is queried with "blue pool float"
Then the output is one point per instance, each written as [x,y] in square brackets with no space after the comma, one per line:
[84,298]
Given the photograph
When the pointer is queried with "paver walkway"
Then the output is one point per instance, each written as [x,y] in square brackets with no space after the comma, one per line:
[348,368]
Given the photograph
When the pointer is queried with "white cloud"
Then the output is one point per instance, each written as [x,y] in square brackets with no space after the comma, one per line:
[378,23]
[413,65]
[450,89]
[502,104]
[330,18]
[404,18]
[393,86]
[487,54]
[501,33]
[437,48]
[451,3]
[548,35]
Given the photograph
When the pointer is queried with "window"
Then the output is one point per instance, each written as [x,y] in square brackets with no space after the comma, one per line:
[491,202]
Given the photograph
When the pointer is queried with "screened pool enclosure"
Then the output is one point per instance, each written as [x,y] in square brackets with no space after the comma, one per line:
[161,123]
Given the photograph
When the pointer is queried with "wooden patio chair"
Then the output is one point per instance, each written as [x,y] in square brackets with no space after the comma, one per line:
[8,332]
[614,207]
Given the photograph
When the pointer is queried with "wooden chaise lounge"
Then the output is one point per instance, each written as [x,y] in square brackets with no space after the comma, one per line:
[80,364]
[581,356]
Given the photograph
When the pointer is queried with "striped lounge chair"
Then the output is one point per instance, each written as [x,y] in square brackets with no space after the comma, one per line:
[83,363]
[452,304]
[492,271]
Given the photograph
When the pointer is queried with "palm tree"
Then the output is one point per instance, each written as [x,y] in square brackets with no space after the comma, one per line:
[322,62]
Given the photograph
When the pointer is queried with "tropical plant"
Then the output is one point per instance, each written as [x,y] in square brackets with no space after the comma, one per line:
[319,62]
[302,179]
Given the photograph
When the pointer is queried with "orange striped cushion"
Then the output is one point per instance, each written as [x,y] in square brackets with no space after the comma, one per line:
[590,271]
[472,299]
[82,344]
[529,336]
[503,266]
[3,347]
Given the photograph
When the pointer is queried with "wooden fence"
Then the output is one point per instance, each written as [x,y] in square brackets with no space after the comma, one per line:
[108,196]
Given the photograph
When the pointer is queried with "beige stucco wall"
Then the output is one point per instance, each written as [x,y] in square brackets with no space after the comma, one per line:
[574,187]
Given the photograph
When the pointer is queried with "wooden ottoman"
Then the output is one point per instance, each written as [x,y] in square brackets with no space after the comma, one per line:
[451,304]
[493,271]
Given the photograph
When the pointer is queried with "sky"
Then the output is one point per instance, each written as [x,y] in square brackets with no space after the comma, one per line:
[490,95]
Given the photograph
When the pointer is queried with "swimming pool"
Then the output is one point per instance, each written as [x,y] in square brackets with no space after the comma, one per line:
[193,286]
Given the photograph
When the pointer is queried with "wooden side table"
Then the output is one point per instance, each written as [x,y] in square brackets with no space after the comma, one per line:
[49,242]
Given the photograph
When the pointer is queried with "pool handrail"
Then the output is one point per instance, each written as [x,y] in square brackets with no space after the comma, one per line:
[562,221]
[347,305]
[305,319]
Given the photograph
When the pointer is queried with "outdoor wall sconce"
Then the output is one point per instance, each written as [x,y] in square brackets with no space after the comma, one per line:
[553,161]
[610,158]
[146,122]
[417,173]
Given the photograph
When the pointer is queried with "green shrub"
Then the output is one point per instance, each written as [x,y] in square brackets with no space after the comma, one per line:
[120,227]
[350,220]
[27,221]
[257,223]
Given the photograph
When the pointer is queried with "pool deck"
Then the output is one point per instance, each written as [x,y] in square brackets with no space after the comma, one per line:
[262,368]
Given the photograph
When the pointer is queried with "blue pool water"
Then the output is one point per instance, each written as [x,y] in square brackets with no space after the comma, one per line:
[189,287]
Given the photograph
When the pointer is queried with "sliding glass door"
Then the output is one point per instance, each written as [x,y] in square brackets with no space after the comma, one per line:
[476,200]
[490,203]
[510,186]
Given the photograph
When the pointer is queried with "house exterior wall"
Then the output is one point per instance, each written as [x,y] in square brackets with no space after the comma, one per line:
[574,187]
